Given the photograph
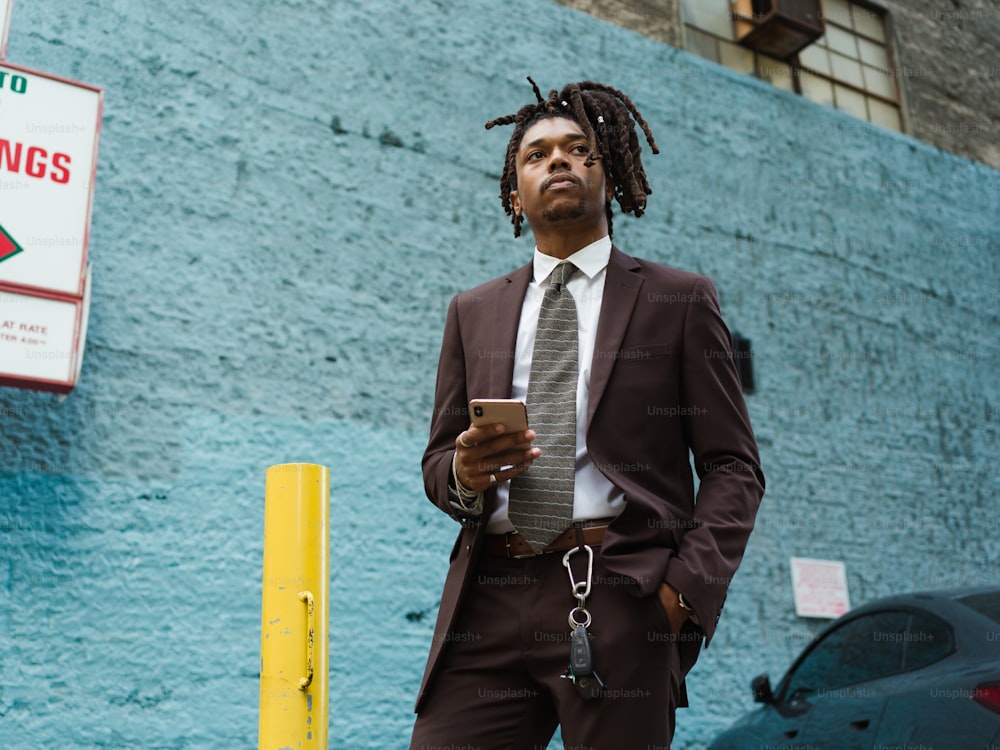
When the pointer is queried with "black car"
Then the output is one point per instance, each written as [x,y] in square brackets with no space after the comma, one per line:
[915,671]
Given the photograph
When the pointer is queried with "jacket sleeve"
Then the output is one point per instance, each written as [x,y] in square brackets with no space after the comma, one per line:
[725,459]
[449,419]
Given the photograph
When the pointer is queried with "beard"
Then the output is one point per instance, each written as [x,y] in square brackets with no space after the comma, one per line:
[565,213]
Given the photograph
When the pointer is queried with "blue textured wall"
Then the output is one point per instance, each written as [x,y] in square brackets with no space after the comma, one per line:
[288,195]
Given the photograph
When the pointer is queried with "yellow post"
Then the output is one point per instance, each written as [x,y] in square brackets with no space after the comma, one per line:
[295,610]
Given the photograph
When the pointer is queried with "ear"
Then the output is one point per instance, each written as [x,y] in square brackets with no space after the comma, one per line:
[609,188]
[515,202]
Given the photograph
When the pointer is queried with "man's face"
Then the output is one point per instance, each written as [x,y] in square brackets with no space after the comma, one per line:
[553,185]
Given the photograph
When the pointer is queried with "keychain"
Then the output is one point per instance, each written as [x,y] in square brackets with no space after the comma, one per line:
[581,670]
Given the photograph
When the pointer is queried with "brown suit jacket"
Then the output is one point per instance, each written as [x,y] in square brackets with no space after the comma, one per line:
[663,387]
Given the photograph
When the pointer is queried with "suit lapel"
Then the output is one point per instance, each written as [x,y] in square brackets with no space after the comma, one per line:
[502,331]
[621,289]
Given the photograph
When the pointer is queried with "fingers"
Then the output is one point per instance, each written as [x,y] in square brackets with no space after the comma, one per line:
[474,436]
[479,475]
[486,455]
[480,442]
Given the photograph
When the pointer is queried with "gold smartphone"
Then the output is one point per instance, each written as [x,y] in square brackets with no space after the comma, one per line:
[509,412]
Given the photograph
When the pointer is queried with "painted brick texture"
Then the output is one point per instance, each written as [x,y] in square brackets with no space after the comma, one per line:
[288,195]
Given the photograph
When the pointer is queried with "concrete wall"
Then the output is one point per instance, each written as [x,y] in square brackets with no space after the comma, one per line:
[289,193]
[946,63]
[948,67]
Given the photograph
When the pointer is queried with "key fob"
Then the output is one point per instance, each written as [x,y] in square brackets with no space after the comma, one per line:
[581,665]
[581,660]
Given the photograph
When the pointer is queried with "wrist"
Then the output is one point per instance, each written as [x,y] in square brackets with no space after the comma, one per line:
[687,609]
[460,488]
[463,500]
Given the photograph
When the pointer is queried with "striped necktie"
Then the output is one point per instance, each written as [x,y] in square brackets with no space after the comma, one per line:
[541,500]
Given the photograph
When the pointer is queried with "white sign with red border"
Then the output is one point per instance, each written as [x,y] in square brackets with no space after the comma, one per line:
[5,7]
[820,588]
[41,339]
[49,130]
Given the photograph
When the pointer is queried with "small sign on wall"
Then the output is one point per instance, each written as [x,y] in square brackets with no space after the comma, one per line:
[820,588]
[49,129]
[5,7]
[41,339]
[48,158]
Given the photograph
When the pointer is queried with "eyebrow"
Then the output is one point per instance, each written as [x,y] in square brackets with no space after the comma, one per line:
[563,138]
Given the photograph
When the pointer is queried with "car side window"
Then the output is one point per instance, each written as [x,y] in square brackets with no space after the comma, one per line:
[865,648]
[927,640]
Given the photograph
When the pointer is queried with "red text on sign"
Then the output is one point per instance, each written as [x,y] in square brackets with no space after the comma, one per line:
[35,161]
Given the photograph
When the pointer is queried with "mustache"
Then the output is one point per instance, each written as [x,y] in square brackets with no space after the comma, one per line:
[559,176]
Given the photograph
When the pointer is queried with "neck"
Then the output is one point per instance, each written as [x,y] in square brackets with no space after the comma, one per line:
[560,243]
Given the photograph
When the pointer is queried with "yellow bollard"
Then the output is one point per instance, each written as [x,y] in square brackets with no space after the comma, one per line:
[294,676]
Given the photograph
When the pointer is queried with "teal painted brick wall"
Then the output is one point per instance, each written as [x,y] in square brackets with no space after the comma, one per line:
[288,195]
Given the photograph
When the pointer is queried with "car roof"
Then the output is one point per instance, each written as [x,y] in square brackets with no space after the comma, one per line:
[951,601]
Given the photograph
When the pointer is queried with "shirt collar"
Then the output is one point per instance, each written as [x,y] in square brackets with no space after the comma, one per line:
[590,259]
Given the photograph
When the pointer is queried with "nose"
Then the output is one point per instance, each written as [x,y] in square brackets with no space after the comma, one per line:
[558,160]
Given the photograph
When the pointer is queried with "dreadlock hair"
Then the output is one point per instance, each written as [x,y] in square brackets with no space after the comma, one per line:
[606,116]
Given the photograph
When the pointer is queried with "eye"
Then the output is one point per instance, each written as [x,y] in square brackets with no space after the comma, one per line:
[581,148]
[532,155]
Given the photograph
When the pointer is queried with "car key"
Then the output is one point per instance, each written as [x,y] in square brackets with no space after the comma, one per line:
[581,665]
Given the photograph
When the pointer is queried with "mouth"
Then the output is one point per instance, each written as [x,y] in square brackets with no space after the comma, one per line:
[561,181]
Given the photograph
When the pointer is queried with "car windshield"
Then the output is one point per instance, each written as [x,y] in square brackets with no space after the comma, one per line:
[987,604]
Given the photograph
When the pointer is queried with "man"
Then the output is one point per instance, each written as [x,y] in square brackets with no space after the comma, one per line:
[646,361]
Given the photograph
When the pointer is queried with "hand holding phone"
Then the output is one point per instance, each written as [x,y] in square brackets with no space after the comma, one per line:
[483,455]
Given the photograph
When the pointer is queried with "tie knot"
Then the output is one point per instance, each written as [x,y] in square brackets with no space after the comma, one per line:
[561,274]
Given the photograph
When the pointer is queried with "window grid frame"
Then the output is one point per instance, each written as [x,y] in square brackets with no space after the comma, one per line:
[896,102]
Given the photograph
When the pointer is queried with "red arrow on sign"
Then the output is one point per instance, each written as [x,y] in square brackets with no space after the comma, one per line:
[8,247]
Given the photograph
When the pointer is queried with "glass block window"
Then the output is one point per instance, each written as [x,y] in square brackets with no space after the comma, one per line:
[848,68]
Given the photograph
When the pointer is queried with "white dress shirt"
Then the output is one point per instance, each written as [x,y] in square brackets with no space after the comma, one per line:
[593,495]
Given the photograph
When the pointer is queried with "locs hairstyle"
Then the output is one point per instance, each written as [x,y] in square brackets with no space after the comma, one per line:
[606,117]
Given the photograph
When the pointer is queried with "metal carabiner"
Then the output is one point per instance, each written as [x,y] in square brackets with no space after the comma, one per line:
[581,596]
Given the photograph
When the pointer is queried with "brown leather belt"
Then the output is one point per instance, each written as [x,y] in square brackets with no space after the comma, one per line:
[512,545]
